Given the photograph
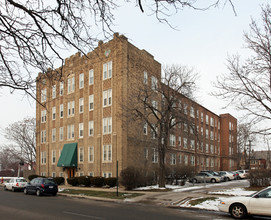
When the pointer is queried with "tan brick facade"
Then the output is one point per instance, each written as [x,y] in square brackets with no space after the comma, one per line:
[113,137]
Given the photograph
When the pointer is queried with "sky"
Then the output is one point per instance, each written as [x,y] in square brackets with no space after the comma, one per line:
[200,39]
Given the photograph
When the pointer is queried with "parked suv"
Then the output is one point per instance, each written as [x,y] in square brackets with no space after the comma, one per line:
[41,186]
[15,184]
[243,174]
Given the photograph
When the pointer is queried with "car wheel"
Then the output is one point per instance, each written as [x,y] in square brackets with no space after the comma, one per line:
[228,178]
[38,193]
[13,189]
[213,181]
[25,191]
[5,188]
[238,211]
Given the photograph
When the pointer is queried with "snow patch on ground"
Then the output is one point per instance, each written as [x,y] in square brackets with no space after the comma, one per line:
[233,192]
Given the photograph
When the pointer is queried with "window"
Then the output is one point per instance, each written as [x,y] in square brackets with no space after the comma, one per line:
[212,148]
[207,162]
[43,157]
[61,88]
[91,154]
[107,70]
[172,140]
[185,159]
[61,132]
[180,141]
[146,152]
[107,153]
[91,174]
[155,156]
[154,131]
[43,116]
[107,174]
[61,111]
[107,125]
[207,119]
[207,148]
[212,121]
[43,136]
[71,108]
[155,106]
[180,158]
[81,130]
[192,144]
[107,97]
[201,116]
[185,127]
[53,91]
[81,105]
[154,83]
[192,160]
[91,128]
[53,157]
[71,85]
[70,133]
[173,159]
[192,112]
[53,134]
[81,81]
[185,108]
[91,102]
[43,95]
[185,142]
[145,129]
[81,154]
[212,135]
[91,77]
[207,133]
[145,77]
[54,113]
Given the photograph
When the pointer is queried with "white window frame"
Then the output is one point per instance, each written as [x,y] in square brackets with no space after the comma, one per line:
[145,80]
[107,125]
[53,134]
[90,128]
[53,156]
[71,85]
[61,133]
[172,140]
[81,105]
[154,83]
[70,132]
[43,95]
[53,91]
[81,155]
[107,98]
[91,154]
[43,136]
[81,81]
[91,77]
[107,153]
[43,157]
[173,159]
[154,155]
[43,116]
[61,110]
[54,113]
[61,88]
[71,109]
[81,130]
[91,102]
[107,70]
[145,129]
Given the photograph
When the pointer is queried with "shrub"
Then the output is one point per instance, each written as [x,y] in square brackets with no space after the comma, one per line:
[111,181]
[97,181]
[260,177]
[131,178]
[32,177]
[59,180]
[73,181]
[84,180]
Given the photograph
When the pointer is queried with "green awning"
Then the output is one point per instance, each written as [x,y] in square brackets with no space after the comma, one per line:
[68,157]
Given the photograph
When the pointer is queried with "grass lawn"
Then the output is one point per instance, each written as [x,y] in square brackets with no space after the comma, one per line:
[103,194]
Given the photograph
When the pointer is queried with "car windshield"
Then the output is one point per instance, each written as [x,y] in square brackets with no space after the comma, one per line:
[21,180]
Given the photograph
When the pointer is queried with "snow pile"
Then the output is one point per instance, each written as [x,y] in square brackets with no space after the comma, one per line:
[233,192]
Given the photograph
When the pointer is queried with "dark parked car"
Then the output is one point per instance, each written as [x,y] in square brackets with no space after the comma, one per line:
[41,186]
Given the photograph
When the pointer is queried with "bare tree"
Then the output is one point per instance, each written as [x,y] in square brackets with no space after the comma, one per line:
[162,108]
[247,84]
[35,34]
[22,136]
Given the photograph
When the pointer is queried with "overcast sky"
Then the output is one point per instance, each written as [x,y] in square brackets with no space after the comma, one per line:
[201,39]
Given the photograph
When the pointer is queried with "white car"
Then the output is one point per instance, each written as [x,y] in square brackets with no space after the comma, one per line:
[243,174]
[228,175]
[15,184]
[258,203]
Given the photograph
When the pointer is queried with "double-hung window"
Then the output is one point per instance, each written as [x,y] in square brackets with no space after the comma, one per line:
[71,108]
[43,116]
[173,159]
[61,111]
[145,77]
[81,81]
[91,154]
[71,85]
[107,70]
[81,105]
[81,130]
[91,128]
[91,102]
[81,154]
[107,97]
[70,131]
[53,91]
[43,95]
[61,88]
[154,83]
[91,77]
[54,113]
[61,133]
[155,156]
[54,135]
[43,136]
[107,153]
[107,125]
[53,156]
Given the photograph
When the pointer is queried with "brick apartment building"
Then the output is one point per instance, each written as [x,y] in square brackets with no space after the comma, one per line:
[82,128]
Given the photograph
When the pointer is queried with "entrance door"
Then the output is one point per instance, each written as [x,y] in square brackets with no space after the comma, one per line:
[71,172]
